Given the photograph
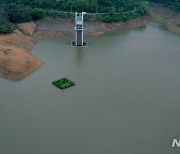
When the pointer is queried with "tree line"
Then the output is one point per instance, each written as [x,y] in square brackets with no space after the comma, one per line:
[15,11]
[175,3]
[79,5]
[116,10]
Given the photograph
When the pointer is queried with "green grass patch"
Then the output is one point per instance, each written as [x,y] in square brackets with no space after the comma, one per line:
[173,28]
[158,18]
[63,83]
[7,51]
[169,20]
[19,45]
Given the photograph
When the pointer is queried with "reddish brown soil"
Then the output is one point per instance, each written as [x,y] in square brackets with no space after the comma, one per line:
[16,60]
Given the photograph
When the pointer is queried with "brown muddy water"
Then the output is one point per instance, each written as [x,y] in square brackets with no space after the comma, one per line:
[126,99]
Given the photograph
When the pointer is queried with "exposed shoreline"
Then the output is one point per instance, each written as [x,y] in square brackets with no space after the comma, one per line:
[55,28]
[16,59]
[170,19]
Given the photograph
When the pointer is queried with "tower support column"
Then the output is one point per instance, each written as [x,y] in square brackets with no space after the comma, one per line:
[79,27]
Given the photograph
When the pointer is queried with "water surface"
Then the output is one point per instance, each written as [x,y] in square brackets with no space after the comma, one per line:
[126,99]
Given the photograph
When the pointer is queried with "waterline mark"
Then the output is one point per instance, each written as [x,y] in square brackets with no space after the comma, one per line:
[176,143]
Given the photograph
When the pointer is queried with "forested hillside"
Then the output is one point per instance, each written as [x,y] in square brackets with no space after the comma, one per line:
[79,5]
[173,3]
[15,11]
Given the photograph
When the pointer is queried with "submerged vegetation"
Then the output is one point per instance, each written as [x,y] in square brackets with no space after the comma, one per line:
[63,83]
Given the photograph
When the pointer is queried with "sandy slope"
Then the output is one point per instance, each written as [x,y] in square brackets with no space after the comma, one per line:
[27,28]
[16,62]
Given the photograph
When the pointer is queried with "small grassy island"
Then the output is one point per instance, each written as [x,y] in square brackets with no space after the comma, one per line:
[63,83]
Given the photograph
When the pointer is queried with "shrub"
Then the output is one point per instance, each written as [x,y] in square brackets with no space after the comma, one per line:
[5,29]
[18,13]
[37,14]
[63,83]
[5,26]
[58,14]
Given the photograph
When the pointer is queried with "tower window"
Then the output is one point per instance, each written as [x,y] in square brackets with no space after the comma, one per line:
[79,26]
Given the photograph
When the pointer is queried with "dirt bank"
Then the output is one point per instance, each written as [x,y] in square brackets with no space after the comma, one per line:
[167,17]
[16,60]
[58,27]
[27,28]
[53,27]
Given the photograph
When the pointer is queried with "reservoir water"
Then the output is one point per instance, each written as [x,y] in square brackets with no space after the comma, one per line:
[126,99]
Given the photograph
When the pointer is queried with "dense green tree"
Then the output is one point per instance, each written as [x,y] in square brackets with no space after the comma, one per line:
[80,5]
[37,14]
[18,13]
[175,3]
[27,10]
[5,25]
